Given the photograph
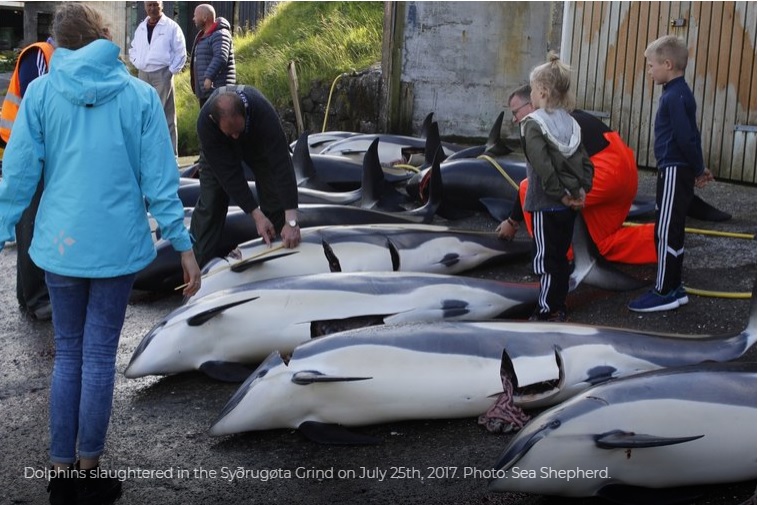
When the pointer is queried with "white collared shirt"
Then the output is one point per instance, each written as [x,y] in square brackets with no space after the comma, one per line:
[167,47]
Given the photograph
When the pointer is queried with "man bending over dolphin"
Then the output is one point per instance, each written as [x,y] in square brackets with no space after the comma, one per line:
[238,126]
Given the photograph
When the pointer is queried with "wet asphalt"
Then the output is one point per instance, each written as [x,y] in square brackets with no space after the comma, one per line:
[158,435]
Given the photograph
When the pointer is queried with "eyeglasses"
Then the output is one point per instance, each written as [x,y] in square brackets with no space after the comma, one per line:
[517,109]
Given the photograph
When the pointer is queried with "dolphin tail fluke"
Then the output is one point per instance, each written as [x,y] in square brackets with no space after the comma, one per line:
[225,371]
[334,434]
[591,268]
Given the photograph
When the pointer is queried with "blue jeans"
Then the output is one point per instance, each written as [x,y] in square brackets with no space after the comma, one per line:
[88,315]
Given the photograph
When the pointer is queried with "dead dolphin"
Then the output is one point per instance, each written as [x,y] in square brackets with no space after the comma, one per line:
[649,438]
[476,185]
[221,333]
[450,369]
[408,247]
[164,272]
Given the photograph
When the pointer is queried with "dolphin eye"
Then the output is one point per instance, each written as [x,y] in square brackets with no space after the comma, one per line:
[554,424]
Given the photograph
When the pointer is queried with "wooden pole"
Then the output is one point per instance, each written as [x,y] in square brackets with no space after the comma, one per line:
[295,97]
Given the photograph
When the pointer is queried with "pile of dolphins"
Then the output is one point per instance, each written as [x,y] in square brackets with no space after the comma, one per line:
[370,321]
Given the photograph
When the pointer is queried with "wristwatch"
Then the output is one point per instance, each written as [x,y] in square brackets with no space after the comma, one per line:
[292,223]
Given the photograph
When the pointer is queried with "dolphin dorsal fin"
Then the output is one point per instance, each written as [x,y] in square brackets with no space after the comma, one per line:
[301,160]
[372,184]
[433,144]
[592,268]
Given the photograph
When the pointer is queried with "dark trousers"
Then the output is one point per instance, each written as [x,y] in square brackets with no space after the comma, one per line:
[209,218]
[31,289]
[553,231]
[675,188]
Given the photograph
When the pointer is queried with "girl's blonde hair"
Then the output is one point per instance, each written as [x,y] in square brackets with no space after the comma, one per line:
[554,77]
[77,24]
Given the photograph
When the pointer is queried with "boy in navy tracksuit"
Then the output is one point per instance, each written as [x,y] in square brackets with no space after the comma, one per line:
[679,156]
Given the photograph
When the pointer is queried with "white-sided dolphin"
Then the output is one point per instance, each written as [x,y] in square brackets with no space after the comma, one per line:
[243,325]
[406,247]
[643,439]
[449,369]
[164,272]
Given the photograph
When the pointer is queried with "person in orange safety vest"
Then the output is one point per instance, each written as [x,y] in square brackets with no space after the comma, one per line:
[31,290]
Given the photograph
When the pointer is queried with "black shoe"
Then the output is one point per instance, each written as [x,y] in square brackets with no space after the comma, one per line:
[42,312]
[96,488]
[62,487]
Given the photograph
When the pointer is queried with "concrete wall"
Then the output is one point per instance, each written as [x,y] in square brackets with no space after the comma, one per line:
[114,14]
[461,60]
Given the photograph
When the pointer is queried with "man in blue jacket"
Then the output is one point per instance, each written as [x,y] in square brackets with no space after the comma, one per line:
[212,59]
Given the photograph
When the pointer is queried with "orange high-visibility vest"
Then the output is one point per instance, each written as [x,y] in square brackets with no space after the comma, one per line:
[13,95]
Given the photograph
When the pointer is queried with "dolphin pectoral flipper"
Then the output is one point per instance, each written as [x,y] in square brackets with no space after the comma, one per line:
[334,434]
[619,439]
[243,265]
[207,315]
[307,377]
[498,208]
[226,371]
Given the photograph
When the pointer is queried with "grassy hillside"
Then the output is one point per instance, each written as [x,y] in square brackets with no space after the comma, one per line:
[324,39]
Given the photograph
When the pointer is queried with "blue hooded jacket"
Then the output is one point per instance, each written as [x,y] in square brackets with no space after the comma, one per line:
[98,137]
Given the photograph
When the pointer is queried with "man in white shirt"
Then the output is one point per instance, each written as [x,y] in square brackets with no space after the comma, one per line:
[159,51]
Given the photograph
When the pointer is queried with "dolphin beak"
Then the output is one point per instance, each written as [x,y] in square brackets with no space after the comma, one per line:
[224,424]
[133,370]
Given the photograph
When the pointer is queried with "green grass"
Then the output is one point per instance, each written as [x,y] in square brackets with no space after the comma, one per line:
[324,39]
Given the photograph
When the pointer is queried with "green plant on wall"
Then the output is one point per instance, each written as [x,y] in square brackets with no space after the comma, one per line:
[324,39]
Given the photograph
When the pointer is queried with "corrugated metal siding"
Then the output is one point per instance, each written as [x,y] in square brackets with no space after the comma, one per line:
[606,46]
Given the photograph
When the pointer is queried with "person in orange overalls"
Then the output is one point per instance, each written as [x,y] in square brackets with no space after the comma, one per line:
[614,187]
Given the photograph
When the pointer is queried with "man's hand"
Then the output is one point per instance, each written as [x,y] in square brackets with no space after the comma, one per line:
[191,273]
[265,229]
[290,236]
[703,179]
[507,229]
[207,84]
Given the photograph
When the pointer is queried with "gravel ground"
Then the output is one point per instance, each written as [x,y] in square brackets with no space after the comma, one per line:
[159,425]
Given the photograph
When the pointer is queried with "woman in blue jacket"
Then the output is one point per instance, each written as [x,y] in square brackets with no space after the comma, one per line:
[99,139]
